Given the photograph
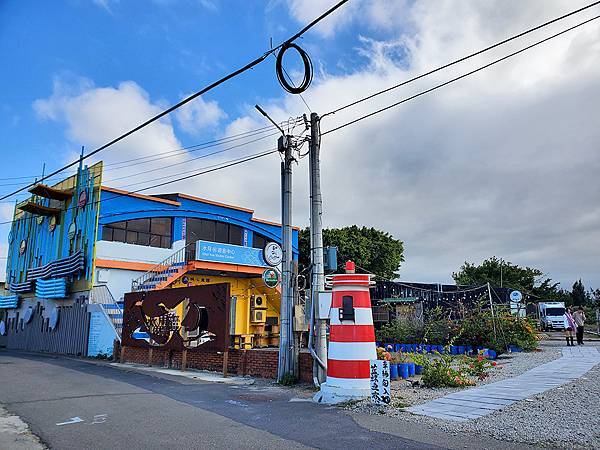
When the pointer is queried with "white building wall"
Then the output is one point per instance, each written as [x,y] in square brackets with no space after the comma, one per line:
[119,251]
[119,280]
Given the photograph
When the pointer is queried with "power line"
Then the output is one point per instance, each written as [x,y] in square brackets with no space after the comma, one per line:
[222,80]
[202,171]
[460,77]
[187,150]
[464,58]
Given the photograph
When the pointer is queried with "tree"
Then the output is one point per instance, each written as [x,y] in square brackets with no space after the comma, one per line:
[595,297]
[498,272]
[375,251]
[578,295]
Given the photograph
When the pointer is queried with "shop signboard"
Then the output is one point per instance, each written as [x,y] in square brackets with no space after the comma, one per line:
[229,253]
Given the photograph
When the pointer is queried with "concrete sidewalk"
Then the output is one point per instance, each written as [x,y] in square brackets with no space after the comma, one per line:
[480,401]
[15,434]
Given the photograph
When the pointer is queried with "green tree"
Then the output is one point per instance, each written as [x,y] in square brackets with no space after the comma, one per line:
[498,272]
[578,295]
[374,250]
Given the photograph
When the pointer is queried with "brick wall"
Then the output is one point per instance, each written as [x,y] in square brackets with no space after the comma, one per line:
[257,363]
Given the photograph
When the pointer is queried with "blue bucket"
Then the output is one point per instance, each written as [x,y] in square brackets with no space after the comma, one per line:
[394,371]
[440,348]
[428,348]
[469,349]
[403,370]
[411,369]
[453,350]
[396,347]
[461,349]
[492,354]
[403,348]
[418,369]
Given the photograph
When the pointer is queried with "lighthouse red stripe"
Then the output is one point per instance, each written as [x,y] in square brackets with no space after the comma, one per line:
[347,369]
[360,299]
[352,333]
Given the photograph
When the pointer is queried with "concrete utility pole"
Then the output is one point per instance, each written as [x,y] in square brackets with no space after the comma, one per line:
[316,248]
[286,364]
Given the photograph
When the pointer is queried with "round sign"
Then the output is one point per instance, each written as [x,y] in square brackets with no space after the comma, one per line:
[23,246]
[271,278]
[516,296]
[2,328]
[72,230]
[82,201]
[28,315]
[273,254]
[52,224]
[54,318]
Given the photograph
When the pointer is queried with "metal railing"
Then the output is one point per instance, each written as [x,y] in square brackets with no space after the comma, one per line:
[101,295]
[161,271]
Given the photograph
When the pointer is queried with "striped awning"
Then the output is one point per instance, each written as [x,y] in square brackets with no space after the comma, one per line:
[20,287]
[9,301]
[52,288]
[59,268]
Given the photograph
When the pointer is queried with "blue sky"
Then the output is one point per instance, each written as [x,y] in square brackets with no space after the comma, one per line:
[503,163]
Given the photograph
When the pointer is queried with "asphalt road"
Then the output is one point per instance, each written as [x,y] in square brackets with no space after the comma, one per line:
[77,404]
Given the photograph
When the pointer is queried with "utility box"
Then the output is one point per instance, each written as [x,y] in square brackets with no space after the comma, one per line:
[330,258]
[324,299]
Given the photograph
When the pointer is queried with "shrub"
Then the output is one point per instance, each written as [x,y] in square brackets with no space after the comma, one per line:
[440,373]
[438,327]
[477,367]
[400,331]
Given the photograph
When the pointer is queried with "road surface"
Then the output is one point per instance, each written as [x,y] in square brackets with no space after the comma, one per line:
[79,404]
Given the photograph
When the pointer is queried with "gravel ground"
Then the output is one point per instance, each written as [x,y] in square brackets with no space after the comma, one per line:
[543,420]
[508,366]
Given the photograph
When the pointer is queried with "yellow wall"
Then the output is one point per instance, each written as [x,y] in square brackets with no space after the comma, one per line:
[242,289]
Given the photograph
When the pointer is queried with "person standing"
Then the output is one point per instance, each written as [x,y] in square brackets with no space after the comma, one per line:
[570,326]
[579,318]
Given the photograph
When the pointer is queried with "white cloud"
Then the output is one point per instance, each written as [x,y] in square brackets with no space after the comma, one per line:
[198,115]
[503,163]
[95,115]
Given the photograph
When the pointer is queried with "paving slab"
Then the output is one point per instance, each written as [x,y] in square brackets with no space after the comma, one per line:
[480,401]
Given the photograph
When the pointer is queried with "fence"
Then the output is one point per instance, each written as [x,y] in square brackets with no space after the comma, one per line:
[70,336]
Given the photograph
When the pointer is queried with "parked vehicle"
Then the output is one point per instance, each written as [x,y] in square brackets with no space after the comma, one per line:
[551,315]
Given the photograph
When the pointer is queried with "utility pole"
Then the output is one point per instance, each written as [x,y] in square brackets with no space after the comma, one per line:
[287,364]
[316,249]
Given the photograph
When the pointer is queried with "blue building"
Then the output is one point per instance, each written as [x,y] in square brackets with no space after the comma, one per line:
[81,243]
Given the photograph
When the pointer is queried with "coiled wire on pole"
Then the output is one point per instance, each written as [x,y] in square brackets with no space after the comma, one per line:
[308,69]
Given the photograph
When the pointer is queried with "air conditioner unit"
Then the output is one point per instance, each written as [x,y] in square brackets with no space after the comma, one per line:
[258,302]
[258,316]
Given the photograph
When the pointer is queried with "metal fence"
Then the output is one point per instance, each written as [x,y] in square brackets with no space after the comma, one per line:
[70,336]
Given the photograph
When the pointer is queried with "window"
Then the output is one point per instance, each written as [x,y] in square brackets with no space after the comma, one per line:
[213,231]
[154,232]
[259,241]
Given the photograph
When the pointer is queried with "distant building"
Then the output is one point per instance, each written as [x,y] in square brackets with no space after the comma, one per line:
[79,243]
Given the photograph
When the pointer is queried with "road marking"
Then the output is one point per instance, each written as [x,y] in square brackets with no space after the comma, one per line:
[70,421]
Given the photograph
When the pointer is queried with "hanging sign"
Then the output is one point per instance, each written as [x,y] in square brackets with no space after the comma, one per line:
[516,296]
[52,224]
[271,278]
[273,254]
[380,382]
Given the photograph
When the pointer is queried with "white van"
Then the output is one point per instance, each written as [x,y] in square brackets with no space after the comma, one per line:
[551,315]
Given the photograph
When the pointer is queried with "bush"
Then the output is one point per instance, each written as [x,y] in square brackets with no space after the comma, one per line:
[400,331]
[477,367]
[440,373]
[482,329]
[438,327]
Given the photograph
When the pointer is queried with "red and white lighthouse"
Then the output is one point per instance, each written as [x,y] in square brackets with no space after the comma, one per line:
[351,338]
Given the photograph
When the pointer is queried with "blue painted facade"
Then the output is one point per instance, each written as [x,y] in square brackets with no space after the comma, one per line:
[38,241]
[117,207]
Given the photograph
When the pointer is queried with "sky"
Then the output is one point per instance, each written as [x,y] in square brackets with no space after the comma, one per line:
[505,162]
